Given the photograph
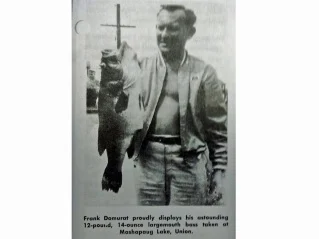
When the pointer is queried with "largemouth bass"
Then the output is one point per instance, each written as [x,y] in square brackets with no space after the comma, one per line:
[119,110]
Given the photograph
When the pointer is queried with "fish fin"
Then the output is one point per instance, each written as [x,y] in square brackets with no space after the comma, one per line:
[131,148]
[101,151]
[101,142]
[122,103]
[111,180]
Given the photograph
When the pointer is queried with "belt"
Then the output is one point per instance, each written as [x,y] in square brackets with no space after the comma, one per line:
[164,140]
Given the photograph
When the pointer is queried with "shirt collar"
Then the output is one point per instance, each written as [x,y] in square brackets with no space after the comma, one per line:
[182,62]
[184,58]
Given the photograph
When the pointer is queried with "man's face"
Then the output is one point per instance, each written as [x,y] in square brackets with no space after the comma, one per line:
[91,75]
[171,32]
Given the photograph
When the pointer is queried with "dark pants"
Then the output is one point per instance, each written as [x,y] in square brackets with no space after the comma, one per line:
[91,96]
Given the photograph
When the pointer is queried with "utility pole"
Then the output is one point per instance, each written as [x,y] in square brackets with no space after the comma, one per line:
[118,25]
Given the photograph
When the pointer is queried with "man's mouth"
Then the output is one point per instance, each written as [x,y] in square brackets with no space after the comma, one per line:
[163,44]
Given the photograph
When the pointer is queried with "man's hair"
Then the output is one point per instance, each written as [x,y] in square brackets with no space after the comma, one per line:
[190,15]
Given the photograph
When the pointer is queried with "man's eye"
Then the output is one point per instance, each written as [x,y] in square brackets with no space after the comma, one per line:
[172,28]
[161,28]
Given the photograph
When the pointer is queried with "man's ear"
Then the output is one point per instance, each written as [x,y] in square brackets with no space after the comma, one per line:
[191,32]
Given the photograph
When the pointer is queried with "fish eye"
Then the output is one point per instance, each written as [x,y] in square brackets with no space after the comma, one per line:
[161,27]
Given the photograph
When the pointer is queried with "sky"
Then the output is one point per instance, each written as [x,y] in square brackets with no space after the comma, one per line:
[214,41]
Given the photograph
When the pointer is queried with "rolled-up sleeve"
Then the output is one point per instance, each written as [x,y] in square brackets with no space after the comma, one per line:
[215,119]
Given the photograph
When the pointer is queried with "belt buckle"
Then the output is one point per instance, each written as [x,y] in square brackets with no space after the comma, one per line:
[160,140]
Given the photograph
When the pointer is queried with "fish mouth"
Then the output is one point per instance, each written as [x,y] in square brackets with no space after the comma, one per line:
[109,55]
[108,52]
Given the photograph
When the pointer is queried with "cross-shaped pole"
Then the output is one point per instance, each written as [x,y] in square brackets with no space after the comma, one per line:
[118,25]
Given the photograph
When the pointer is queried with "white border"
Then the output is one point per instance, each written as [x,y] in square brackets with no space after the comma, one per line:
[277,120]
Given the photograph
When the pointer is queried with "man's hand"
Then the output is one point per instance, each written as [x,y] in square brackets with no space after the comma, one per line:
[114,87]
[216,189]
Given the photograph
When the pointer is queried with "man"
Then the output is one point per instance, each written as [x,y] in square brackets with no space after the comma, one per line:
[181,152]
[92,89]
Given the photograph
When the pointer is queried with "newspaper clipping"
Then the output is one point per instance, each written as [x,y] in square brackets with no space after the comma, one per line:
[153,119]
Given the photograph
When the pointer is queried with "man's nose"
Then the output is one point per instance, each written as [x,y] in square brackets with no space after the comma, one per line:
[164,33]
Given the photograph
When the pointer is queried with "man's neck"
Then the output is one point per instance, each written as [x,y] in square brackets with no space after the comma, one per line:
[174,60]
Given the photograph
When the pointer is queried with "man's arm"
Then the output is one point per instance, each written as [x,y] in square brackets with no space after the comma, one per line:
[215,121]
